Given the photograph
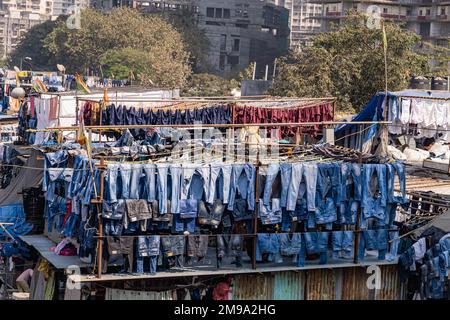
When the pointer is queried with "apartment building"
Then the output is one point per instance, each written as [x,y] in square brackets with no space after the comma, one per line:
[303,23]
[428,18]
[17,16]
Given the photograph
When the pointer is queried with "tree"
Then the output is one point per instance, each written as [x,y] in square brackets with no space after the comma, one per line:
[205,84]
[31,44]
[197,44]
[348,62]
[149,40]
[439,57]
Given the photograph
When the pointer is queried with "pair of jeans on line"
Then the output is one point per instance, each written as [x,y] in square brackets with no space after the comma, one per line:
[292,176]
[314,243]
[373,240]
[242,183]
[268,243]
[374,192]
[291,245]
[342,244]
[147,247]
[272,213]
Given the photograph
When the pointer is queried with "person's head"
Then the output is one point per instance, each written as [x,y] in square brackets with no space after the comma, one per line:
[428,143]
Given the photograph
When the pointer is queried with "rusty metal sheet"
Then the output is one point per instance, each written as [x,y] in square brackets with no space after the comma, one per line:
[253,287]
[289,286]
[354,285]
[320,284]
[391,288]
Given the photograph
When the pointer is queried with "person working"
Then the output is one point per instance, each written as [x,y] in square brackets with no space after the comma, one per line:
[23,281]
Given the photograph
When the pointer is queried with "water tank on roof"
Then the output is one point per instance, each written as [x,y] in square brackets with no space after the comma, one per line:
[421,83]
[439,83]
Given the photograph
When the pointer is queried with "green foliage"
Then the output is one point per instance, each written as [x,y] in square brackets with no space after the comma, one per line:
[205,84]
[151,47]
[439,57]
[31,45]
[348,63]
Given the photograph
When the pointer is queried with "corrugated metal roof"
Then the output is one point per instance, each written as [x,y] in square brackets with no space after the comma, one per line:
[320,284]
[253,287]
[391,288]
[289,286]
[354,285]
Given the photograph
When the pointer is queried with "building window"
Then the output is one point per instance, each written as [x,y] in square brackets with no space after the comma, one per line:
[420,12]
[385,10]
[222,62]
[223,42]
[236,44]
[241,25]
[218,13]
[443,11]
[210,12]
[233,60]
[428,12]
[226,13]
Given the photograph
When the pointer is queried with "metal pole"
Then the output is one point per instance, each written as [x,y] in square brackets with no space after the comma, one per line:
[267,72]
[254,71]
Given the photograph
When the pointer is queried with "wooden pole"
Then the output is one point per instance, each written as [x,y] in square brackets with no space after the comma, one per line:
[256,212]
[100,222]
[358,222]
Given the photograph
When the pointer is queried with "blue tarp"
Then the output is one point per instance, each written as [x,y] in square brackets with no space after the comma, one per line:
[373,111]
[14,214]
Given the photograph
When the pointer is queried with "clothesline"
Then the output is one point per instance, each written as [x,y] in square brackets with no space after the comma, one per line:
[200,126]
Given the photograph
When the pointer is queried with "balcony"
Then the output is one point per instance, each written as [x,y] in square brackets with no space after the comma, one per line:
[443,17]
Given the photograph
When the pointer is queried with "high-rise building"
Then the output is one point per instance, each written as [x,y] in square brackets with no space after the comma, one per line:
[17,16]
[239,31]
[428,18]
[302,21]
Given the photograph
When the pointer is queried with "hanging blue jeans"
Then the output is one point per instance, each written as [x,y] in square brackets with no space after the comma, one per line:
[290,244]
[176,178]
[285,174]
[300,171]
[272,172]
[315,242]
[373,204]
[242,181]
[342,244]
[268,243]
[150,181]
[393,236]
[270,214]
[136,175]
[214,175]
[225,183]
[147,246]
[374,240]
[161,185]
[396,169]
[125,174]
[353,171]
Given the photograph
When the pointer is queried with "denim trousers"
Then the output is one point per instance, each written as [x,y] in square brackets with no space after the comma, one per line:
[351,172]
[270,214]
[268,243]
[374,240]
[147,247]
[396,169]
[342,244]
[314,242]
[242,182]
[290,244]
[300,171]
[150,181]
[372,204]
[272,172]
[162,186]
